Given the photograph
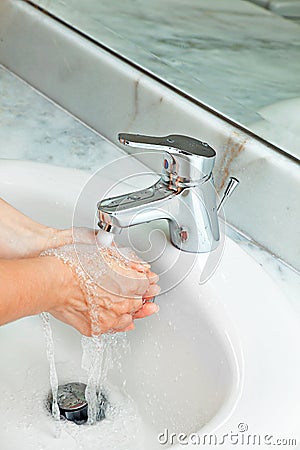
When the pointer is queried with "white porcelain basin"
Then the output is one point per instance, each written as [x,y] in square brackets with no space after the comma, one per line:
[216,356]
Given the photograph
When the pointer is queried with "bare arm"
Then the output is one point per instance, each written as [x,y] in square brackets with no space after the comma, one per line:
[22,237]
[30,286]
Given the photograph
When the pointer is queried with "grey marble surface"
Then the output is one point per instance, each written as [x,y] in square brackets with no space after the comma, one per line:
[33,128]
[235,56]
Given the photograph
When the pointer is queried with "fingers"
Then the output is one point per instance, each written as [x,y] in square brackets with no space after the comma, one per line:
[146,310]
[130,306]
[140,267]
[139,280]
[152,277]
[131,327]
[151,292]
[136,264]
[124,322]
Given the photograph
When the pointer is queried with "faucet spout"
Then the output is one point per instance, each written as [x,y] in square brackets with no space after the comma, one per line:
[184,195]
[135,208]
[191,214]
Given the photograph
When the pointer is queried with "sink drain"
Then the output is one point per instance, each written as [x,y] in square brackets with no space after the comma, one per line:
[73,405]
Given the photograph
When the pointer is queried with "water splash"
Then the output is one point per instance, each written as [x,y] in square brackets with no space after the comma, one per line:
[51,359]
[99,351]
[99,354]
[52,371]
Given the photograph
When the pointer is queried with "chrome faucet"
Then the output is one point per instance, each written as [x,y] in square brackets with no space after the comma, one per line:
[184,195]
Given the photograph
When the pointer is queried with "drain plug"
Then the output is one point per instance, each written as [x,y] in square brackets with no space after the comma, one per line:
[73,405]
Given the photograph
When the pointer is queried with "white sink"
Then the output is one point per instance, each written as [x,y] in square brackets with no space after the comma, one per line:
[217,355]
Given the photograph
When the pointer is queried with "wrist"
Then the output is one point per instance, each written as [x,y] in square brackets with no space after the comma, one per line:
[61,284]
[30,286]
[53,238]
[48,276]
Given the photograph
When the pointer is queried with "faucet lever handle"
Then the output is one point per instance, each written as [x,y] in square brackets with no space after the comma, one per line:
[187,161]
[232,184]
[174,144]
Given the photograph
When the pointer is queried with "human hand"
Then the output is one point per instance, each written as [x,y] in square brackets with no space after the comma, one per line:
[22,237]
[107,295]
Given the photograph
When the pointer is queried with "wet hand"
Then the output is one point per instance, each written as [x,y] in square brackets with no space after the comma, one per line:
[112,303]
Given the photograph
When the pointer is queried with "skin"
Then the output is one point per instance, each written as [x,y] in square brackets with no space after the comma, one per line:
[31,284]
[22,237]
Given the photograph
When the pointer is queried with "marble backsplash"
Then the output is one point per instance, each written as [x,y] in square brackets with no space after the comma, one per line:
[111,96]
[234,56]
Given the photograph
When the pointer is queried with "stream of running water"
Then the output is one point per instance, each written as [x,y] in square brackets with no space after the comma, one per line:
[99,352]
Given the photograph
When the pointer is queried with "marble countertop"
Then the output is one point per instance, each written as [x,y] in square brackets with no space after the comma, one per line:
[235,56]
[34,128]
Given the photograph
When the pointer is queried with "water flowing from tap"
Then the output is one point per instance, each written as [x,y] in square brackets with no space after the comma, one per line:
[99,351]
[53,374]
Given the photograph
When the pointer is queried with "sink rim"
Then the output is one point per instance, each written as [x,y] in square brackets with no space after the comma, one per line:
[239,336]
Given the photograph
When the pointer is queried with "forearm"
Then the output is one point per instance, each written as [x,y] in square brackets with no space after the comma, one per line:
[28,287]
[22,237]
